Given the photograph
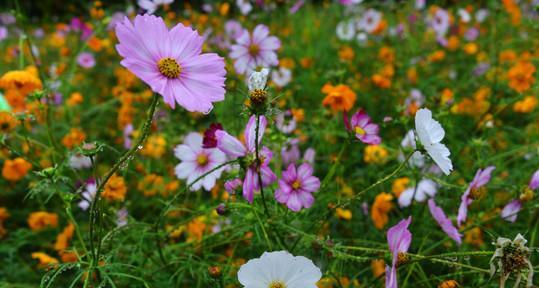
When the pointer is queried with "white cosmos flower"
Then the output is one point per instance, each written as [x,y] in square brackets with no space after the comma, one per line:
[151,5]
[430,133]
[279,269]
[346,30]
[258,79]
[426,188]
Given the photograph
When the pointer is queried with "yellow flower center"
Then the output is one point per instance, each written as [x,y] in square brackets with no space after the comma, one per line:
[258,96]
[169,67]
[276,284]
[254,50]
[202,159]
[359,130]
[296,185]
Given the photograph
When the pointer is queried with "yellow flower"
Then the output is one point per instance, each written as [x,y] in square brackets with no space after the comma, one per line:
[155,146]
[115,189]
[196,229]
[399,185]
[375,154]
[16,169]
[380,208]
[343,214]
[471,48]
[41,219]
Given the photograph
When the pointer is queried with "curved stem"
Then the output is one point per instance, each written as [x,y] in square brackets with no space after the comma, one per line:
[95,214]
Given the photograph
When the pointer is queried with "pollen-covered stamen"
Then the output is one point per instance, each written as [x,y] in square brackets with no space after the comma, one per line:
[277,284]
[202,159]
[258,96]
[359,130]
[254,50]
[169,67]
[296,185]
[402,258]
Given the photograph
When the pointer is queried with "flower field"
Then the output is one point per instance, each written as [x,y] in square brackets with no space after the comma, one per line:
[269,143]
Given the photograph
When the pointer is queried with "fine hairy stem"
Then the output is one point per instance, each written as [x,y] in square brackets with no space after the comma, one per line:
[259,164]
[95,214]
[169,203]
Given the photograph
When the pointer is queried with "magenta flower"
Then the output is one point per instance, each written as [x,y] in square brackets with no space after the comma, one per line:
[481,178]
[171,63]
[364,129]
[235,149]
[399,239]
[444,222]
[510,211]
[209,140]
[255,50]
[296,187]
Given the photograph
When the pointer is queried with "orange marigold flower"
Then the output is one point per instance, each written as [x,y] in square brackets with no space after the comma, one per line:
[16,169]
[381,81]
[62,240]
[521,76]
[115,189]
[7,122]
[74,138]
[74,99]
[4,214]
[449,284]
[339,97]
[525,105]
[152,184]
[155,146]
[42,219]
[44,259]
[386,54]
[346,53]
[23,81]
[196,229]
[380,208]
[378,267]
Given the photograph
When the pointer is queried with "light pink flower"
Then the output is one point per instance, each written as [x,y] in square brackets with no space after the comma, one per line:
[510,211]
[257,49]
[481,178]
[296,187]
[444,222]
[86,60]
[171,63]
[196,161]
[399,239]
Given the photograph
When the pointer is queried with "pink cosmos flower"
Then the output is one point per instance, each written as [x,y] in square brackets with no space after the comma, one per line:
[440,22]
[364,129]
[296,187]
[370,20]
[255,50]
[399,239]
[481,178]
[510,211]
[197,161]
[235,149]
[86,60]
[171,63]
[444,222]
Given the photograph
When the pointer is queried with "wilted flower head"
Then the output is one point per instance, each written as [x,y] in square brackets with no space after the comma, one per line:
[512,257]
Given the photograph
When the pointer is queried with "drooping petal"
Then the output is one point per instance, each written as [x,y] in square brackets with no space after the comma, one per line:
[229,144]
